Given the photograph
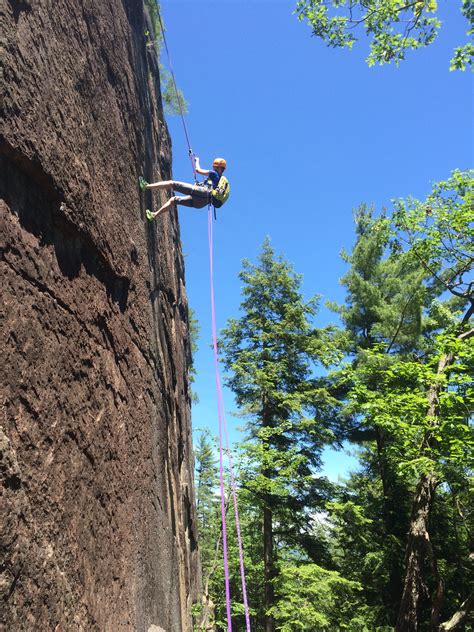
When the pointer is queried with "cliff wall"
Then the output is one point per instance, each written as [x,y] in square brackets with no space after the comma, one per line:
[96,464]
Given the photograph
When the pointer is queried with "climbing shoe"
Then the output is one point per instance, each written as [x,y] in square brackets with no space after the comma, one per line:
[142,183]
[149,215]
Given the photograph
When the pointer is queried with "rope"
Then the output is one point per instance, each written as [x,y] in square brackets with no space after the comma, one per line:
[219,414]
[223,430]
[178,98]
[220,400]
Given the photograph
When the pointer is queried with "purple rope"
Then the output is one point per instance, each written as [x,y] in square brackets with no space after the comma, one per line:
[237,521]
[221,465]
[223,427]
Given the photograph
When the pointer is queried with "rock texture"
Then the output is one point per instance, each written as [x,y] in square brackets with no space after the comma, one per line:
[96,463]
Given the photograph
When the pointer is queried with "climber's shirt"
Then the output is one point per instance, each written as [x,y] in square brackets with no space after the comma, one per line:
[213,178]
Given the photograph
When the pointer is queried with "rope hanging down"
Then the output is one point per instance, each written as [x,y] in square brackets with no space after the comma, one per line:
[223,431]
[220,401]
[178,98]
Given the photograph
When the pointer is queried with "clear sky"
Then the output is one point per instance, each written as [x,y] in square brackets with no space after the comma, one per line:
[309,133]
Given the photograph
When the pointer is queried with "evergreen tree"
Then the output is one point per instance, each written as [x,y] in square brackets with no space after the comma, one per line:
[271,352]
[206,480]
[209,528]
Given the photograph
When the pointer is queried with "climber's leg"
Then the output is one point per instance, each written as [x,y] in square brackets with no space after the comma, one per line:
[166,184]
[186,200]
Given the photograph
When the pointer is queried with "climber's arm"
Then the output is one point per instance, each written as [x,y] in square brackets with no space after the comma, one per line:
[203,172]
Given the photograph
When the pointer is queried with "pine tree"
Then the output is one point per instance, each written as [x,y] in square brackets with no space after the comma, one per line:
[207,509]
[206,480]
[271,352]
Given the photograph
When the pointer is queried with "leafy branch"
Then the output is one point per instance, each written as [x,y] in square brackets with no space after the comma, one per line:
[335,22]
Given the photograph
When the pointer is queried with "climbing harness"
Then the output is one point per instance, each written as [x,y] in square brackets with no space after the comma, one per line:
[220,401]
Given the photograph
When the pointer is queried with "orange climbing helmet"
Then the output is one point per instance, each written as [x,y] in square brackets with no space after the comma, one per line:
[219,162]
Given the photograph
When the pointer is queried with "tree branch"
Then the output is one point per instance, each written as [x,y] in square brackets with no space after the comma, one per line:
[458,619]
[468,314]
[465,268]
[402,318]
[467,334]
[356,23]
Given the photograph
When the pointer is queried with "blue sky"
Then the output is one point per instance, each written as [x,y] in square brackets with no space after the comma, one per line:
[309,133]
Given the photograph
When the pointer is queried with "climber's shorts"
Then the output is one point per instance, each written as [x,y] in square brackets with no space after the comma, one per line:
[196,196]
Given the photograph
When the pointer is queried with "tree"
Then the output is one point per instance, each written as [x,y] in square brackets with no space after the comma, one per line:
[193,329]
[393,26]
[426,452]
[313,598]
[270,352]
[439,234]
[206,481]
[409,385]
[209,528]
[382,310]
[173,98]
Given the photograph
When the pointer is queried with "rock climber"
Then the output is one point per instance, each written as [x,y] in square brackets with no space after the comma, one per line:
[214,190]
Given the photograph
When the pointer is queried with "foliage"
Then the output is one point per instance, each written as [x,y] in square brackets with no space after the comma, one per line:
[194,328]
[367,536]
[250,523]
[409,387]
[393,26]
[173,98]
[271,351]
[463,55]
[313,598]
[398,405]
[399,384]
[439,233]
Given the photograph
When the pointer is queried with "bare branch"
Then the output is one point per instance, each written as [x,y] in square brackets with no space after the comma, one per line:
[459,618]
[467,334]
[402,318]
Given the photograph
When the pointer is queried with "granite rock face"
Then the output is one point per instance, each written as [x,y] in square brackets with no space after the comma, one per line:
[96,462]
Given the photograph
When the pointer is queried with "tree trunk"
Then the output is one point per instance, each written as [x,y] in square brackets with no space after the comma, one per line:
[268,568]
[393,527]
[268,565]
[437,603]
[418,546]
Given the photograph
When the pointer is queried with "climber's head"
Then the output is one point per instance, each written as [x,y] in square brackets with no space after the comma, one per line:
[219,164]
